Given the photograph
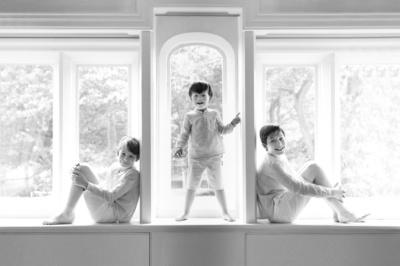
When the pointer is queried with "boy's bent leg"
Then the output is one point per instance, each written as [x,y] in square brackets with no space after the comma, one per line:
[88,173]
[313,173]
[67,216]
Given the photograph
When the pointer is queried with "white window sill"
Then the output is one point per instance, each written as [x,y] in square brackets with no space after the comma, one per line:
[263,227]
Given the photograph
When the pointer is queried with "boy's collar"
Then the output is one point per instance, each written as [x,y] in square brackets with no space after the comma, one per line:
[201,112]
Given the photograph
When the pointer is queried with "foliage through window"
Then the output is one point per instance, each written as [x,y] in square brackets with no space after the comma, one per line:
[103,113]
[26,134]
[290,102]
[370,126]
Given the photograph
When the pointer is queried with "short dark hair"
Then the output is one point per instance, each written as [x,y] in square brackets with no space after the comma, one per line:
[131,144]
[267,130]
[200,87]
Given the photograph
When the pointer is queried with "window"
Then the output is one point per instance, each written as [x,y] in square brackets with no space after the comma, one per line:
[189,62]
[290,102]
[103,112]
[369,148]
[349,122]
[50,119]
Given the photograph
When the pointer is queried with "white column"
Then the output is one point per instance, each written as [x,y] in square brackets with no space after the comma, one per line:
[249,147]
[145,149]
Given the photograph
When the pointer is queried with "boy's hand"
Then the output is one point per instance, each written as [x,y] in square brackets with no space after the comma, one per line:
[79,179]
[236,120]
[178,152]
[338,193]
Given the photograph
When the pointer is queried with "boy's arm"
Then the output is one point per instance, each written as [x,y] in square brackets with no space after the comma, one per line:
[121,189]
[277,172]
[226,129]
[184,135]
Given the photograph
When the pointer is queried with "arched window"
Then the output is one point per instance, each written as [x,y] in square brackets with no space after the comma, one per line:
[187,62]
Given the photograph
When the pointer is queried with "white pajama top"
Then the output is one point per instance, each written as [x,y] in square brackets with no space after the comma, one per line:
[118,197]
[202,132]
[275,179]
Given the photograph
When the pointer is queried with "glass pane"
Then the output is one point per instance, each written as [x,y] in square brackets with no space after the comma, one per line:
[189,64]
[290,102]
[26,130]
[370,130]
[103,113]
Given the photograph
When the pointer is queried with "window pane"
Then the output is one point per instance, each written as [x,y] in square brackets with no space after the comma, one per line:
[290,102]
[370,126]
[26,133]
[103,113]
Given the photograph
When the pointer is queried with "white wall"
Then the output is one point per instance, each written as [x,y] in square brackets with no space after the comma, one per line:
[124,15]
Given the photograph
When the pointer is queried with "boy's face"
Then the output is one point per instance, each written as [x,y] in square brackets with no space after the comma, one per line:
[126,158]
[200,100]
[276,143]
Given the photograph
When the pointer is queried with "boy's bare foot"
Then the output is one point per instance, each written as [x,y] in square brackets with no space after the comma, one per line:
[352,218]
[335,217]
[60,219]
[228,218]
[181,218]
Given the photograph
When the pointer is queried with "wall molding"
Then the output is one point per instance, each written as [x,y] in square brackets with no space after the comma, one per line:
[253,20]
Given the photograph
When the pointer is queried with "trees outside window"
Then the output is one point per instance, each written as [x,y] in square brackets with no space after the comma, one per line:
[290,102]
[26,130]
[103,113]
[60,104]
[370,126]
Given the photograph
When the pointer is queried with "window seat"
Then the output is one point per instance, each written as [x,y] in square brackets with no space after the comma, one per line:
[301,226]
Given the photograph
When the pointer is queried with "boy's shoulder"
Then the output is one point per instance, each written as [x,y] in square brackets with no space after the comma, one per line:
[212,111]
[192,113]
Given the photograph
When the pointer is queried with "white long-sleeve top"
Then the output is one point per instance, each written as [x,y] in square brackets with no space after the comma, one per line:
[203,131]
[121,190]
[275,177]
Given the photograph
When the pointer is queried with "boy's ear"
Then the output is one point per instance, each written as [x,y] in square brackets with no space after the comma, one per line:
[265,146]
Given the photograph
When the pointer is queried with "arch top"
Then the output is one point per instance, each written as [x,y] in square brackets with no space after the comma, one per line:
[197,38]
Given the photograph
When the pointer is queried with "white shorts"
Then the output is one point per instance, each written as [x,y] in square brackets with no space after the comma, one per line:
[100,210]
[288,206]
[211,165]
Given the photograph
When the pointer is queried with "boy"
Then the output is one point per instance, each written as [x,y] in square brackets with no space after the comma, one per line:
[202,130]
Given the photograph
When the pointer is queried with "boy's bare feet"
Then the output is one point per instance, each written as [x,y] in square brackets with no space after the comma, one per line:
[60,219]
[352,218]
[228,218]
[181,218]
[335,217]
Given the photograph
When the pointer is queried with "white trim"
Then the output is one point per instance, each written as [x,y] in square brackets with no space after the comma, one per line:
[146,149]
[318,45]
[250,131]
[70,44]
[318,21]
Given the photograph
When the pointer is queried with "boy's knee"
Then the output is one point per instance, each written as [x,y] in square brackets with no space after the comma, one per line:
[83,167]
[313,166]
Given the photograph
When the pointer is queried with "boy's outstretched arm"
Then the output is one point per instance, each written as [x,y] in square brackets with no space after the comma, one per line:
[236,120]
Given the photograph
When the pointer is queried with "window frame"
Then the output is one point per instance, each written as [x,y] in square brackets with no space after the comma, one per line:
[65,55]
[332,53]
[162,103]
